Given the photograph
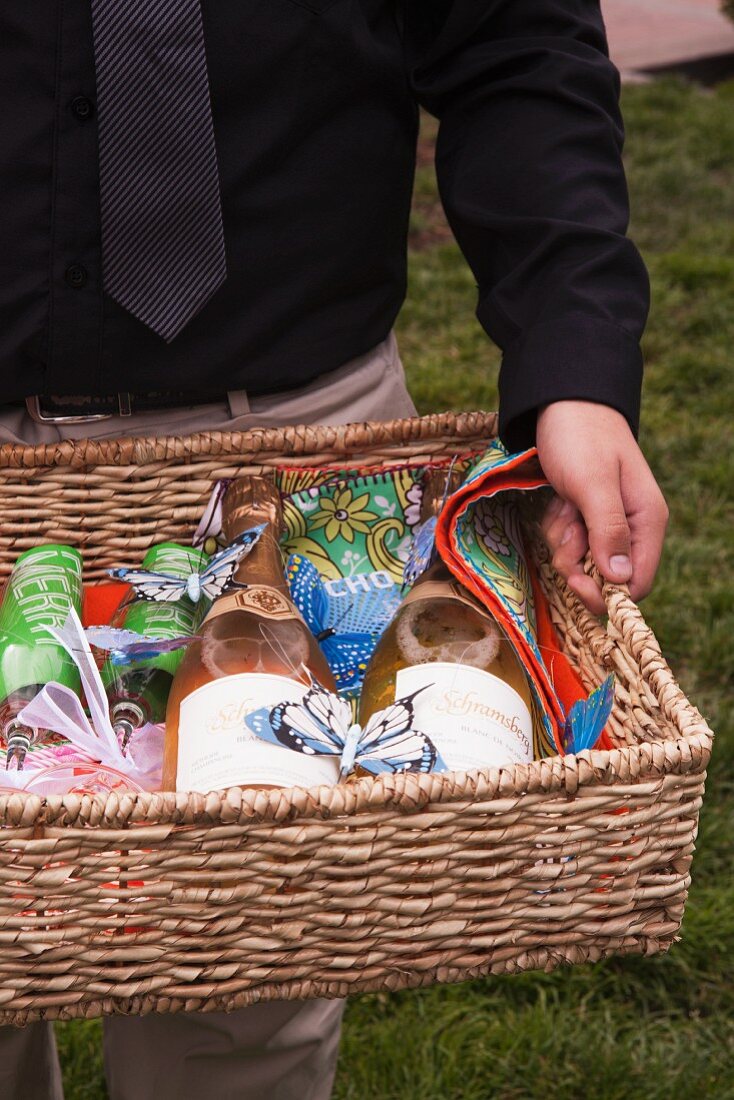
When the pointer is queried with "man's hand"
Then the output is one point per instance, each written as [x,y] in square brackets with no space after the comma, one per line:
[607,499]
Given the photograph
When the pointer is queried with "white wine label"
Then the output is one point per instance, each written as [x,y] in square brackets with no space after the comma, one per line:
[474,719]
[260,598]
[216,749]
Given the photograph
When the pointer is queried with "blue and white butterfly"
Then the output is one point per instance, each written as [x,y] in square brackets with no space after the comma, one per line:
[347,651]
[124,646]
[321,725]
[422,551]
[208,535]
[210,583]
[588,717]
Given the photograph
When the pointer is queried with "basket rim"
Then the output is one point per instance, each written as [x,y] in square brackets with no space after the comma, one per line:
[290,441]
[406,793]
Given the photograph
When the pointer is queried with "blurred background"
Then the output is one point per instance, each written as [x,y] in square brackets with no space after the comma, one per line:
[660,1028]
[646,37]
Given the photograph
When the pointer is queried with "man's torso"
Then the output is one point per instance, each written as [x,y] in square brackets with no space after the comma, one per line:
[315,133]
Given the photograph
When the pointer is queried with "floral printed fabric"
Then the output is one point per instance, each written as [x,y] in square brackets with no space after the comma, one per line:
[354,524]
[357,528]
[343,514]
[480,539]
[348,537]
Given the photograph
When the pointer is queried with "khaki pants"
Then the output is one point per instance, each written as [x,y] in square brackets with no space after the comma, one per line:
[371,387]
[282,1050]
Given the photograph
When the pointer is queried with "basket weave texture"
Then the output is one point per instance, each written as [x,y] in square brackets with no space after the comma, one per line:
[168,902]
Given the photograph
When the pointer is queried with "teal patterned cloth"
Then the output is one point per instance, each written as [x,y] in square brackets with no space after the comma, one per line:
[480,538]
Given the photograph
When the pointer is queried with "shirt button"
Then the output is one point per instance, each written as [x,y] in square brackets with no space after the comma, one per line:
[76,275]
[82,107]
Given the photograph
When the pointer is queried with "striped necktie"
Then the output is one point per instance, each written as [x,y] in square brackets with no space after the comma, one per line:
[162,235]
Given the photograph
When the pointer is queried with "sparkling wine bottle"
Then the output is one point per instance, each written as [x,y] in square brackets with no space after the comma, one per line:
[473,698]
[138,692]
[45,583]
[255,650]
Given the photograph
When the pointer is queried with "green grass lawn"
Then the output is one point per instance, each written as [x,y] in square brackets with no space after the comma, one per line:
[659,1028]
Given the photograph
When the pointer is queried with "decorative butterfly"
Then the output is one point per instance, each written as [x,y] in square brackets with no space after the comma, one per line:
[208,535]
[321,725]
[588,717]
[212,582]
[349,651]
[422,551]
[125,646]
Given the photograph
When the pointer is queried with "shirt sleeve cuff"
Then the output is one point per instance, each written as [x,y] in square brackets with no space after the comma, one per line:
[576,358]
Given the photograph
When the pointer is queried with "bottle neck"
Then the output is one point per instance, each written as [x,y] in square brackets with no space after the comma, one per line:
[438,484]
[434,489]
[264,563]
[17,737]
[249,502]
[437,571]
[13,703]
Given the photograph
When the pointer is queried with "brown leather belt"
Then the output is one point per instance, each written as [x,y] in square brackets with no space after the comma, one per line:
[52,409]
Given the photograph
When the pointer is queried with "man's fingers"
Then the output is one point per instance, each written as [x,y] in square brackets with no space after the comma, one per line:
[610,539]
[565,534]
[590,457]
[623,525]
[648,518]
[553,508]
[647,547]
[570,550]
[626,517]
[568,560]
[588,591]
[556,519]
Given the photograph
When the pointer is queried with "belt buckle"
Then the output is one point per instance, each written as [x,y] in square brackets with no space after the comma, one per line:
[33,404]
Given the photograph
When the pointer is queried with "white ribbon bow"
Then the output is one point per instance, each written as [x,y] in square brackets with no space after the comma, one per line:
[58,709]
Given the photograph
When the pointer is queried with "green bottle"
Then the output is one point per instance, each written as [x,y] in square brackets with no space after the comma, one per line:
[45,583]
[138,692]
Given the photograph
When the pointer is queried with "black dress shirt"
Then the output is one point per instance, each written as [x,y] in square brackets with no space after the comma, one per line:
[315,109]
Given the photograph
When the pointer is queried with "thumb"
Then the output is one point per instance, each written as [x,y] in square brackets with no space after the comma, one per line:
[602,508]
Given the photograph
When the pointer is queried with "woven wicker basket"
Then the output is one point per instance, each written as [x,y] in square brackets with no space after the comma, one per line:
[167,902]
